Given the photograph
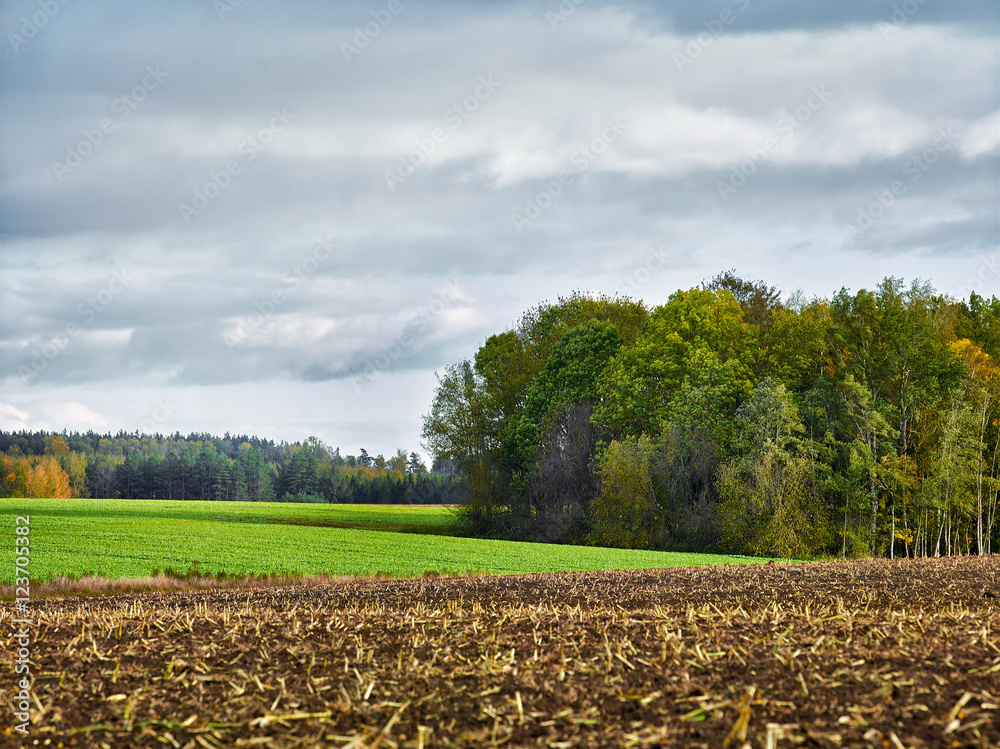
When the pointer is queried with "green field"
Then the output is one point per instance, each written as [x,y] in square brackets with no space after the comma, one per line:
[132,538]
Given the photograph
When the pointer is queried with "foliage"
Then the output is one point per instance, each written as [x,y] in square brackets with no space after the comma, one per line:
[626,514]
[137,466]
[868,423]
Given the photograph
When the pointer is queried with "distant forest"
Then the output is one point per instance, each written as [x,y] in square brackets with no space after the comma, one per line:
[200,466]
[727,419]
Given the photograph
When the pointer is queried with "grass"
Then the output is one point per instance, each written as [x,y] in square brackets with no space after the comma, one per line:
[134,538]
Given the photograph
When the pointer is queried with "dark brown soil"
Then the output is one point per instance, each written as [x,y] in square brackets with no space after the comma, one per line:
[840,654]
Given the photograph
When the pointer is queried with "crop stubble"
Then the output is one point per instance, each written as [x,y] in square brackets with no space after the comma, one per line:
[867,653]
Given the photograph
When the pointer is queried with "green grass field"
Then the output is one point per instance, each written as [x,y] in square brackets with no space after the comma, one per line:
[132,538]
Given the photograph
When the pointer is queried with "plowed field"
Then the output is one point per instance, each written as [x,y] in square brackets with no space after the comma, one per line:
[840,654]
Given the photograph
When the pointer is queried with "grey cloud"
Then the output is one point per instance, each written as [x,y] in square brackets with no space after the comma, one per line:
[655,188]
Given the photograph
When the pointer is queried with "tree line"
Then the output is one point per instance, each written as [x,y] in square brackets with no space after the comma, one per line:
[240,468]
[727,419]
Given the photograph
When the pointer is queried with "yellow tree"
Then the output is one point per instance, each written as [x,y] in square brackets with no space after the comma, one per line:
[981,393]
[55,444]
[47,479]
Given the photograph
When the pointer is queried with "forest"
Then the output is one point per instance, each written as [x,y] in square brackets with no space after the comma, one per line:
[203,467]
[726,419]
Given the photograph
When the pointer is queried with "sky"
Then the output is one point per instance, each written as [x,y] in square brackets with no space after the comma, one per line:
[282,219]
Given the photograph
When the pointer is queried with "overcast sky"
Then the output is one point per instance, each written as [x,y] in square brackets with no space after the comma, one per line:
[283,218]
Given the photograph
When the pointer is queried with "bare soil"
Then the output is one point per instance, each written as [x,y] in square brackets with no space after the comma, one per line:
[839,654]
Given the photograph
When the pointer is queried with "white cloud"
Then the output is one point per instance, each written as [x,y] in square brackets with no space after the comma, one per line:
[981,137]
[13,418]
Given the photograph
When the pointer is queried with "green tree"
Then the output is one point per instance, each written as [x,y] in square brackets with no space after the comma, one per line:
[641,381]
[626,514]
[570,377]
[463,426]
[771,501]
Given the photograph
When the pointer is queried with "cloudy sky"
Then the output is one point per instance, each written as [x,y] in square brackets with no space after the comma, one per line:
[283,218]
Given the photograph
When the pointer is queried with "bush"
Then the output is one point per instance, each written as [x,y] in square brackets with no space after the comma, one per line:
[307,498]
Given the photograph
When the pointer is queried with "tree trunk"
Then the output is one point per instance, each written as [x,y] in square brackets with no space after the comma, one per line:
[892,535]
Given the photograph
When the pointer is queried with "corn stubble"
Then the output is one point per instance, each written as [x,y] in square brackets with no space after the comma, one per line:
[838,654]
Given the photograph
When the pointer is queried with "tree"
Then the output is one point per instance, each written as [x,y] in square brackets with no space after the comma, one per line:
[570,377]
[55,444]
[416,466]
[684,471]
[640,382]
[770,496]
[855,446]
[758,301]
[625,514]
[974,410]
[298,475]
[46,478]
[562,484]
[794,347]
[101,477]
[979,322]
[894,341]
[463,427]
[397,465]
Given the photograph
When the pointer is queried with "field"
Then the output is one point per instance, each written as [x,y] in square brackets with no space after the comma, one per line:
[132,538]
[837,654]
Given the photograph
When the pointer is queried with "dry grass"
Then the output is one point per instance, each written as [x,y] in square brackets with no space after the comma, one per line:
[859,654]
[170,581]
